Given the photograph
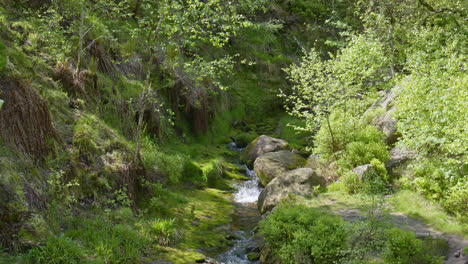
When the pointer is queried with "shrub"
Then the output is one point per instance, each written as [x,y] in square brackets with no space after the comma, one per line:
[304,235]
[351,182]
[375,180]
[354,142]
[404,248]
[457,199]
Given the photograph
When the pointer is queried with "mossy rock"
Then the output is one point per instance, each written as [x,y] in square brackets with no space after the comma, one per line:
[243,139]
[253,256]
[261,145]
[193,173]
[273,164]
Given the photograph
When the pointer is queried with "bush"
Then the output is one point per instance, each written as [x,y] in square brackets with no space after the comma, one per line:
[169,164]
[375,180]
[57,250]
[305,235]
[351,182]
[457,199]
[404,248]
[354,142]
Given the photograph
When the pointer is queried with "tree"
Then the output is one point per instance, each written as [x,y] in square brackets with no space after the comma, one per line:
[323,86]
[171,29]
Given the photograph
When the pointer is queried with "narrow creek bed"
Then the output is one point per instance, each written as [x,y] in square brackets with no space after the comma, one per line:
[244,219]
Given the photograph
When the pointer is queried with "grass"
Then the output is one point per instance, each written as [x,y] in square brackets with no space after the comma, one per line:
[407,202]
[416,206]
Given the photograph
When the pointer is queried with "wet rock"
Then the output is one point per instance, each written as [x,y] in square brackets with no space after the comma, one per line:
[273,164]
[299,182]
[261,145]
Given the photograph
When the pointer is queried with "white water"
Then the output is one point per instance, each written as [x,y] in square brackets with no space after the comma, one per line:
[248,191]
[246,194]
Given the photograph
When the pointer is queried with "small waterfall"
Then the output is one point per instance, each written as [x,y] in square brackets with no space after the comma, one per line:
[248,191]
[246,218]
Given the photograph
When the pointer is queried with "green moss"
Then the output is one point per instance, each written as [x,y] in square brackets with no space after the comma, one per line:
[253,256]
[209,210]
[193,173]
[179,256]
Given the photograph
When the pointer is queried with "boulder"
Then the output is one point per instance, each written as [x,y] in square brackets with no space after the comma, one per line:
[399,157]
[327,170]
[273,164]
[261,145]
[361,170]
[385,121]
[299,182]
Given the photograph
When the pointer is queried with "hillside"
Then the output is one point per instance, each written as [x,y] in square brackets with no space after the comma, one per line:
[286,131]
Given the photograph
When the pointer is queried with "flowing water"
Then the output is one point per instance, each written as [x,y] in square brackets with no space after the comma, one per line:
[245,217]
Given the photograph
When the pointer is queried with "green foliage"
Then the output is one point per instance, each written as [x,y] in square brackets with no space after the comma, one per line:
[155,159]
[193,173]
[404,248]
[375,179]
[110,242]
[213,172]
[164,230]
[323,86]
[354,142]
[3,58]
[457,200]
[57,250]
[305,235]
[351,182]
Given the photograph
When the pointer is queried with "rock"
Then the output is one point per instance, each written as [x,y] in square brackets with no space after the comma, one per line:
[399,156]
[385,122]
[25,122]
[299,182]
[243,139]
[261,145]
[273,164]
[457,254]
[361,170]
[327,170]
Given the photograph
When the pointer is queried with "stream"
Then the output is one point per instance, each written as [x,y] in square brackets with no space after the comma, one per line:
[245,217]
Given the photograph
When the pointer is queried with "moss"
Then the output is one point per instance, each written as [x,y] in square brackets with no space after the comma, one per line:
[213,172]
[206,216]
[253,256]
[235,176]
[193,173]
[179,256]
[244,138]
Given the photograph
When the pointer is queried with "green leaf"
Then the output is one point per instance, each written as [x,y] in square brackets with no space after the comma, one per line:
[1,104]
